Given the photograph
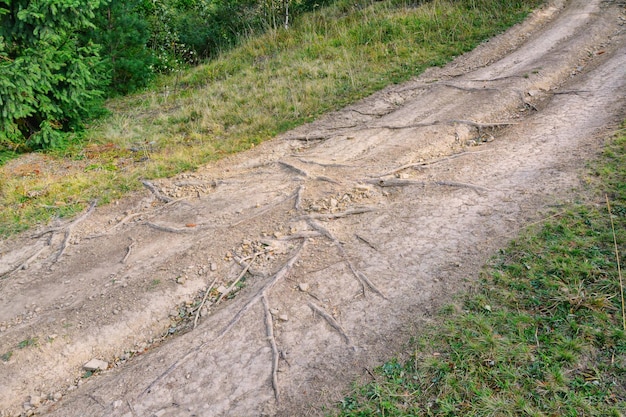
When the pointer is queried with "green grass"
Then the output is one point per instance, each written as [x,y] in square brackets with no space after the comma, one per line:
[541,334]
[267,85]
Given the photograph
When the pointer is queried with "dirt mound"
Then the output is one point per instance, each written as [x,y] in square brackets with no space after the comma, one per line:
[267,282]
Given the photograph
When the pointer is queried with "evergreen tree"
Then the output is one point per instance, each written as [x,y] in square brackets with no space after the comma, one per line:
[49,77]
[124,33]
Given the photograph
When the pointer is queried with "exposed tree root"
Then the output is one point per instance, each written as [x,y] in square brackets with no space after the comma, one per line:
[269,329]
[168,229]
[361,278]
[24,264]
[157,193]
[206,295]
[267,209]
[277,277]
[68,230]
[477,125]
[130,248]
[308,161]
[330,216]
[330,320]
[298,204]
[397,182]
[282,273]
[232,286]
[422,164]
[294,168]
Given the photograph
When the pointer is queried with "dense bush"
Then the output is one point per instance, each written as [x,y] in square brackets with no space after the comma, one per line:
[49,78]
[59,57]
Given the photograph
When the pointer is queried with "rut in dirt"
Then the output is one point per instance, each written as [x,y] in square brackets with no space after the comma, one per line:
[348,232]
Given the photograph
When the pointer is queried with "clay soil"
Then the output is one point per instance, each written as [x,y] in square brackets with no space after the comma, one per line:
[346,236]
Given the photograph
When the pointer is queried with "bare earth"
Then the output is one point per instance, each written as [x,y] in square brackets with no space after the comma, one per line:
[348,234]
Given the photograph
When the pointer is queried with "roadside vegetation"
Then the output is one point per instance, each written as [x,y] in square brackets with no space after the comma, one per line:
[267,84]
[543,333]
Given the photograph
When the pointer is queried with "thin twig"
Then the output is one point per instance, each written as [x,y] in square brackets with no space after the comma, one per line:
[238,278]
[619,269]
[330,320]
[269,329]
[206,295]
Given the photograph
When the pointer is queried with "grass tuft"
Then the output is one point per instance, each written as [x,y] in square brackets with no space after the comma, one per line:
[541,335]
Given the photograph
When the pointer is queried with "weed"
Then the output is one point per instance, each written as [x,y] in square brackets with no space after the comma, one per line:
[32,341]
[154,284]
[551,341]
[5,357]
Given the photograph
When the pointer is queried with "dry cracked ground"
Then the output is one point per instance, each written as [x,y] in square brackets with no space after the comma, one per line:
[265,283]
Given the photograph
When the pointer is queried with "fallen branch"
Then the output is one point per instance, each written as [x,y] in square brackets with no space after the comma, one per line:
[154,190]
[206,295]
[269,329]
[330,320]
[68,230]
[619,269]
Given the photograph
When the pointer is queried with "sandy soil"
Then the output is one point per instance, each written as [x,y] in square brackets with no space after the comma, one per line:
[347,234]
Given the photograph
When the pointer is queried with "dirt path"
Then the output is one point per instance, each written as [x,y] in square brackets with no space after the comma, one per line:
[347,233]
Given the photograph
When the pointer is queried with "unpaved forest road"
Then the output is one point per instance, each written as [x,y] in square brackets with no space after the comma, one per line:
[354,251]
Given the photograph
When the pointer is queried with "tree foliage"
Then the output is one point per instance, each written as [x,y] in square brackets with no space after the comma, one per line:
[48,77]
[58,58]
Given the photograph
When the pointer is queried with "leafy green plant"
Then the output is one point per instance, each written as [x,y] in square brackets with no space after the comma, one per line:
[31,341]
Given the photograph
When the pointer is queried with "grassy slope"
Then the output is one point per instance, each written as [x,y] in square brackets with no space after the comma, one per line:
[266,86]
[541,335]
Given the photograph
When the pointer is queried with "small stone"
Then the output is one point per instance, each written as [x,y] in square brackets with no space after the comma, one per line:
[303,286]
[274,311]
[283,317]
[117,404]
[35,400]
[180,280]
[333,203]
[213,266]
[96,364]
[57,396]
